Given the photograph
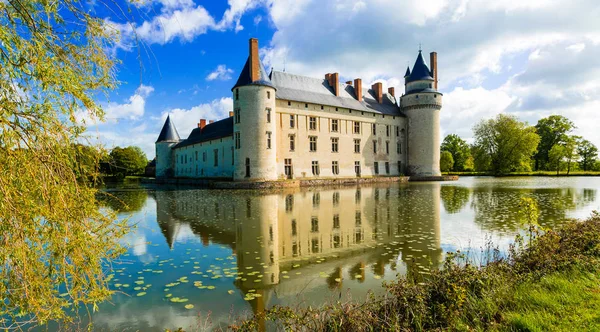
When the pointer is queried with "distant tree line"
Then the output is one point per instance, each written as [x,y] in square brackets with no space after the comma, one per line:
[504,144]
[118,162]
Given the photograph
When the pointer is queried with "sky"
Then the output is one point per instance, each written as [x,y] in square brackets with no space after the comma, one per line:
[528,58]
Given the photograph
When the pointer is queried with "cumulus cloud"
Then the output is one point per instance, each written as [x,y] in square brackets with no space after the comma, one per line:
[220,73]
[132,109]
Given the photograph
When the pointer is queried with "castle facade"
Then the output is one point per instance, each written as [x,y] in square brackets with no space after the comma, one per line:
[286,126]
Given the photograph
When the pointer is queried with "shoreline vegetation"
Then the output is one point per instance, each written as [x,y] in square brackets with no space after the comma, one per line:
[525,174]
[548,280]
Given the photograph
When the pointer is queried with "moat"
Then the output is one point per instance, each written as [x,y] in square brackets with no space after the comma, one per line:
[195,253]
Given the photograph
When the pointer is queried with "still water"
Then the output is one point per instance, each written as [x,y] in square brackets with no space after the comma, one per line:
[199,258]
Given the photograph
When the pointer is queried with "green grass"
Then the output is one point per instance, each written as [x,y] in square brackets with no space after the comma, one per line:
[536,173]
[562,301]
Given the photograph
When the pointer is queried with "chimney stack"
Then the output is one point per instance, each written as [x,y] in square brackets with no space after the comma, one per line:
[434,73]
[392,91]
[211,121]
[358,89]
[230,114]
[377,90]
[334,82]
[254,60]
[202,124]
[349,83]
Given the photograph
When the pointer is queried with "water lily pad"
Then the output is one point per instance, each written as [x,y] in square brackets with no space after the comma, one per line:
[189,306]
[141,293]
[230,291]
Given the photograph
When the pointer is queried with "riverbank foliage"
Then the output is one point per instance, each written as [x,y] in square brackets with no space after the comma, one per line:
[508,292]
[54,238]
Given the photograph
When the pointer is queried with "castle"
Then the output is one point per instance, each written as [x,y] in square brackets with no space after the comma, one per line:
[286,126]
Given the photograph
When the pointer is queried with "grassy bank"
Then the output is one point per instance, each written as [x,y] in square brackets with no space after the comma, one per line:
[546,282]
[537,173]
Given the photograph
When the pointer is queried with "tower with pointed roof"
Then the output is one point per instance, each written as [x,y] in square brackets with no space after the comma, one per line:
[421,103]
[167,138]
[254,125]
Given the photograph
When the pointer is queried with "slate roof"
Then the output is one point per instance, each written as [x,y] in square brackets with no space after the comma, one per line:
[420,71]
[317,91]
[215,130]
[169,132]
[407,72]
[244,78]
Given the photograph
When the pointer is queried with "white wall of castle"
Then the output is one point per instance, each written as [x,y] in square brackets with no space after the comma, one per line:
[388,134]
[423,113]
[164,158]
[207,159]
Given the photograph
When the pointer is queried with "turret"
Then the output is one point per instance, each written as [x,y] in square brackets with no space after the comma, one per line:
[164,154]
[422,104]
[254,122]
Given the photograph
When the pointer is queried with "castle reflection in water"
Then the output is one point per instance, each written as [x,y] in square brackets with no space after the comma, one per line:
[282,233]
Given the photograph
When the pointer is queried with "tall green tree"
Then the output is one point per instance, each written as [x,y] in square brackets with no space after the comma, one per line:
[446,161]
[459,149]
[54,240]
[552,130]
[588,154]
[506,143]
[128,161]
[555,157]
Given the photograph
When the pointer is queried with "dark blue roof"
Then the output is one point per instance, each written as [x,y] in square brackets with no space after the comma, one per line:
[168,132]
[215,130]
[407,71]
[420,71]
[245,78]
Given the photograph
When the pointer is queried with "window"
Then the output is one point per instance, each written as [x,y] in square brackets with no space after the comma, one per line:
[316,199]
[336,198]
[247,167]
[337,241]
[400,167]
[268,115]
[268,139]
[387,147]
[292,121]
[374,129]
[356,127]
[312,123]
[237,115]
[374,146]
[268,94]
[314,224]
[335,168]
[387,167]
[186,158]
[334,144]
[313,143]
[288,168]
[356,146]
[292,142]
[357,219]
[289,203]
[196,156]
[232,156]
[357,168]
[237,94]
[398,148]
[376,167]
[315,167]
[336,221]
[321,106]
[397,131]
[216,151]
[294,227]
[334,125]
[289,103]
[204,156]
[237,140]
[314,246]
[387,130]
[305,105]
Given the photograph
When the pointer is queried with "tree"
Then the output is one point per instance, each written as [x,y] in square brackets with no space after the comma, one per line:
[552,130]
[446,161]
[588,153]
[506,142]
[570,145]
[128,161]
[459,149]
[54,238]
[555,157]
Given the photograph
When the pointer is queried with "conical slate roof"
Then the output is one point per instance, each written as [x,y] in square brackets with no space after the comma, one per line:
[407,74]
[245,78]
[168,132]
[420,71]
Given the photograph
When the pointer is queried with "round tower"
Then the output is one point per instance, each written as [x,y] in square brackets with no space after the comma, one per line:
[254,123]
[422,104]
[168,138]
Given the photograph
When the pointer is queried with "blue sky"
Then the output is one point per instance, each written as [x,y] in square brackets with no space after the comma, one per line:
[530,58]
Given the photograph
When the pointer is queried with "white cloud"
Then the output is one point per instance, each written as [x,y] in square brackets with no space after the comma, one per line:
[257,19]
[576,47]
[185,24]
[187,119]
[132,109]
[220,73]
[234,13]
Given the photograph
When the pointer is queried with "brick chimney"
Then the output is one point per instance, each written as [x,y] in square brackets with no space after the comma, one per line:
[358,89]
[392,91]
[334,82]
[230,113]
[377,90]
[254,60]
[433,63]
[349,83]
[202,123]
[211,121]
